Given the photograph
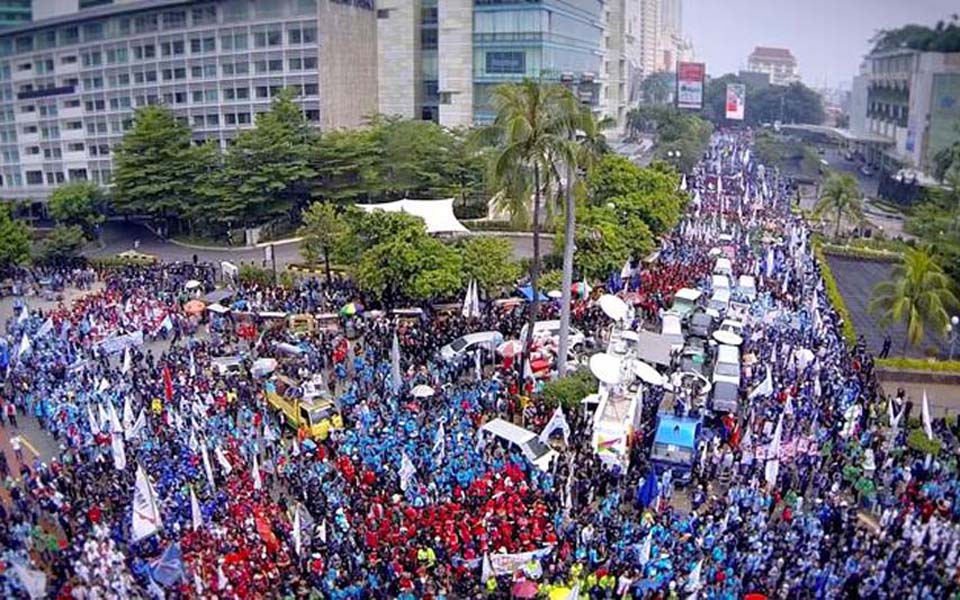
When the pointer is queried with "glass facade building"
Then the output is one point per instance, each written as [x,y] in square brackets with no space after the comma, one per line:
[548,40]
[15,12]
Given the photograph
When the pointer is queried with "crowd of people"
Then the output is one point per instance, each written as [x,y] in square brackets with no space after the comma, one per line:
[176,478]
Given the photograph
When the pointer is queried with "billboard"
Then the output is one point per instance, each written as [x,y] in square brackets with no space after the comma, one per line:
[736,98]
[690,78]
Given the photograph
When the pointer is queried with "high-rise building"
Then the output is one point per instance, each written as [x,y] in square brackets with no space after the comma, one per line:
[779,63]
[69,82]
[648,36]
[671,47]
[456,51]
[14,12]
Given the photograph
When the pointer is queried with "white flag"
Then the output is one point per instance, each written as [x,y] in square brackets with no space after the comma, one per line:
[128,419]
[477,366]
[32,580]
[646,549]
[222,581]
[138,425]
[439,447]
[206,465]
[322,533]
[396,379]
[104,418]
[46,328]
[557,421]
[104,385]
[195,514]
[407,471]
[127,361]
[222,460]
[257,481]
[193,365]
[297,541]
[119,452]
[25,346]
[486,570]
[772,467]
[146,514]
[693,581]
[764,388]
[925,413]
[94,422]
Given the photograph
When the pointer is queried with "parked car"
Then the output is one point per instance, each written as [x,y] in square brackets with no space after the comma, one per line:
[551,330]
[465,343]
[524,440]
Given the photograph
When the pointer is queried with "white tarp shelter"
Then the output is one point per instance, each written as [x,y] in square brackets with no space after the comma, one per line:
[437,214]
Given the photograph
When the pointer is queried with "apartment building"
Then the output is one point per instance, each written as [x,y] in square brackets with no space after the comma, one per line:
[778,63]
[71,79]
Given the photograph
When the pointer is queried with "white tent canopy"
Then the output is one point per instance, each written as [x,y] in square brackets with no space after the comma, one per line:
[437,214]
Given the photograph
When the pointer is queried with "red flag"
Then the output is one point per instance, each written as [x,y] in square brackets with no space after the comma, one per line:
[167,384]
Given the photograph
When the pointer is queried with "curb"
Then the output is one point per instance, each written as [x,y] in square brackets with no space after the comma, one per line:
[295,240]
[508,234]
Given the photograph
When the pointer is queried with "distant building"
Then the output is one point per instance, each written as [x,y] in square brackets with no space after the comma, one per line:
[778,63]
[14,12]
[912,101]
[754,80]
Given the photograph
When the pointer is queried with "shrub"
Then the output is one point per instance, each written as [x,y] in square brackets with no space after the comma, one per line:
[834,295]
[250,274]
[920,364]
[569,391]
[918,440]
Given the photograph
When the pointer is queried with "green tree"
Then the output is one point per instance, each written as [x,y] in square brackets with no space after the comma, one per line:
[347,163]
[532,126]
[406,262]
[656,87]
[267,170]
[322,230]
[614,175]
[490,262]
[78,203]
[63,243]
[154,167]
[840,197]
[947,159]
[794,103]
[14,240]
[918,294]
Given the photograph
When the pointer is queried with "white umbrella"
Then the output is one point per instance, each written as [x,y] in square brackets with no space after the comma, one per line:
[554,294]
[613,306]
[727,337]
[192,284]
[422,391]
[510,348]
[606,368]
[647,373]
[264,366]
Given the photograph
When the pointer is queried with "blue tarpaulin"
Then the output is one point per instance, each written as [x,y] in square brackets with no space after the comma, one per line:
[527,293]
[168,569]
[677,431]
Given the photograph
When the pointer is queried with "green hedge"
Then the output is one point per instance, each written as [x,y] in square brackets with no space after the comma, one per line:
[569,391]
[917,440]
[862,253]
[834,295]
[113,262]
[495,226]
[920,364]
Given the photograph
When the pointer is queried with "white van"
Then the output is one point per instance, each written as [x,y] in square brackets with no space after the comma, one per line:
[524,440]
[718,303]
[719,282]
[551,330]
[672,330]
[685,301]
[727,366]
[723,266]
[747,287]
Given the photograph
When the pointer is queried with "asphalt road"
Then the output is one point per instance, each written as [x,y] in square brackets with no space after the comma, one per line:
[119,236]
[856,280]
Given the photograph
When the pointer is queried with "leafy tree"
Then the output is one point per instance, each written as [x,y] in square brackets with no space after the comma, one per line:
[489,260]
[947,159]
[78,203]
[614,175]
[918,294]
[267,170]
[14,240]
[945,37]
[840,197]
[322,230]
[155,172]
[569,391]
[346,163]
[650,195]
[63,243]
[657,87]
[794,103]
[407,262]
[532,126]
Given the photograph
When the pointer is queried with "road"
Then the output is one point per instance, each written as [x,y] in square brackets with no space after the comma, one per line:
[119,236]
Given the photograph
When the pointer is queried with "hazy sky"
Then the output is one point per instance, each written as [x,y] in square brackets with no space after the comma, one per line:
[828,37]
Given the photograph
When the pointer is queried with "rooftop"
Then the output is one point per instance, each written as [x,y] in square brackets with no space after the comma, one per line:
[770,53]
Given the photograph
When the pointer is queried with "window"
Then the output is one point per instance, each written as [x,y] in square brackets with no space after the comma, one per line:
[25,43]
[276,65]
[195,46]
[227,68]
[259,39]
[116,55]
[175,20]
[166,74]
[243,118]
[262,91]
[243,68]
[210,95]
[91,59]
[230,118]
[72,103]
[311,89]
[293,36]
[506,62]
[229,94]
[210,70]
[309,35]
[213,119]
[75,147]
[295,64]
[210,44]
[180,98]
[46,39]
[243,93]
[168,98]
[70,59]
[145,23]
[240,41]
[309,62]
[198,120]
[92,31]
[196,72]
[204,15]
[180,73]
[69,35]
[34,177]
[312,114]
[73,125]
[259,66]
[226,41]
[77,174]
[197,96]
[274,38]
[32,150]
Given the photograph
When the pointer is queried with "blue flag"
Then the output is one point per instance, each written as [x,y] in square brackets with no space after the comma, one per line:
[168,569]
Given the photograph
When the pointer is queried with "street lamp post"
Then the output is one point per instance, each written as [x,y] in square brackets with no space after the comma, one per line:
[954,334]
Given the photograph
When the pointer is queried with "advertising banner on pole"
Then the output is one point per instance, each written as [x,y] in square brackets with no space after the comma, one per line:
[690,84]
[736,98]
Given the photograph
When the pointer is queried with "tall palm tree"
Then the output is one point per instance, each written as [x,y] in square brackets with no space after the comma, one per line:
[840,197]
[918,293]
[532,125]
[587,145]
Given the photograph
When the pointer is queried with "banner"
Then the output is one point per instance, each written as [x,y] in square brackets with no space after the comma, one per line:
[119,343]
[508,564]
[230,270]
[690,78]
[146,515]
[736,99]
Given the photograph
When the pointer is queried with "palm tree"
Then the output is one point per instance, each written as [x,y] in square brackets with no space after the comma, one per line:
[918,293]
[588,145]
[532,125]
[840,196]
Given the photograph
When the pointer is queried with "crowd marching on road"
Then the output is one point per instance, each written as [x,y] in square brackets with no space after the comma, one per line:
[176,476]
